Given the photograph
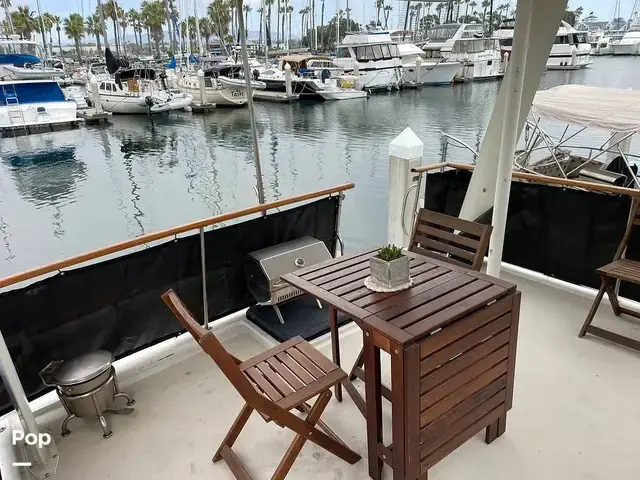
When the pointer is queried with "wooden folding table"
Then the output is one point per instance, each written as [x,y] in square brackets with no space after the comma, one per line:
[452,340]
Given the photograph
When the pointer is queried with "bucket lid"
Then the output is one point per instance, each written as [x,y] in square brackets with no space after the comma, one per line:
[83,368]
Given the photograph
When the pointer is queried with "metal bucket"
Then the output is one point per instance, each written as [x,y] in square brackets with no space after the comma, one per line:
[87,387]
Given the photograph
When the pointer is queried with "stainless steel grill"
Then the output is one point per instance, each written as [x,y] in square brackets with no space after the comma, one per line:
[266,267]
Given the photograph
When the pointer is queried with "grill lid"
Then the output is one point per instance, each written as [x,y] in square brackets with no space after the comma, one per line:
[290,256]
[82,369]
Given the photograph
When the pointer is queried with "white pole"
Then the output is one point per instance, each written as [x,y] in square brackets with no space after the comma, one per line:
[195,11]
[203,90]
[252,118]
[510,134]
[287,79]
[18,398]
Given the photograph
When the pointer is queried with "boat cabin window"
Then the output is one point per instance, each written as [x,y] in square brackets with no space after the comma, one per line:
[21,49]
[103,86]
[377,52]
[475,45]
[386,51]
[562,39]
[579,38]
[394,50]
[442,33]
[470,31]
[364,54]
[343,52]
[313,64]
[506,42]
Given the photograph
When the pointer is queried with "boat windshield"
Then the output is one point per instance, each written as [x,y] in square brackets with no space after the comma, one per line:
[442,33]
[474,45]
[12,48]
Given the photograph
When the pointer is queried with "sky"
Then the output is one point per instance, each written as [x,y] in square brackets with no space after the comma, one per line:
[361,9]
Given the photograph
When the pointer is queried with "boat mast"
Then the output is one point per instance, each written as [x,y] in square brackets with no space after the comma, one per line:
[252,118]
[199,40]
[103,27]
[264,29]
[338,23]
[44,43]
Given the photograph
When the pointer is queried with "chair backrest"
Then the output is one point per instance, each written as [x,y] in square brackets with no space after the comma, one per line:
[634,221]
[212,347]
[434,236]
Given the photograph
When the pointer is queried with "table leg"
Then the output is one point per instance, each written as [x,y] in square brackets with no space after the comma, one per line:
[374,405]
[398,420]
[335,346]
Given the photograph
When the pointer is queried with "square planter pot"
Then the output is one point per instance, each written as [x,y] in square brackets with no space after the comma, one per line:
[390,274]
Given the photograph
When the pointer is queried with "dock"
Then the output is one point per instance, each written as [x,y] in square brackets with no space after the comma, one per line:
[20,130]
[280,97]
[92,117]
[203,107]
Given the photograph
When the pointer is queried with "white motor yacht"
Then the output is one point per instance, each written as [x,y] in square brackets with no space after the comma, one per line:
[432,72]
[21,60]
[571,49]
[376,58]
[465,44]
[629,44]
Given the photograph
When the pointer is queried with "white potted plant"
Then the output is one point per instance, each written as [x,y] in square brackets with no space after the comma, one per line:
[390,268]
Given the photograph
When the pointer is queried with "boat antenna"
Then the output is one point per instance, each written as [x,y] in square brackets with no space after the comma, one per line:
[252,118]
[44,43]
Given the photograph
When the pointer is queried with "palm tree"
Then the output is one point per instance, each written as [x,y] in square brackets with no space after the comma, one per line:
[387,12]
[6,4]
[290,12]
[112,10]
[268,3]
[379,6]
[260,10]
[132,16]
[92,27]
[473,6]
[49,22]
[283,13]
[24,21]
[205,31]
[41,28]
[304,12]
[74,28]
[278,11]
[124,24]
[57,20]
[485,5]
[218,13]
[246,9]
[154,17]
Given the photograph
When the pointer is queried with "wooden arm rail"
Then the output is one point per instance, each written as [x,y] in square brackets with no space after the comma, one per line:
[169,232]
[565,182]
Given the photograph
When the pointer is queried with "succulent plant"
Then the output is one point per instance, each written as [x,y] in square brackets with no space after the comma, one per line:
[390,253]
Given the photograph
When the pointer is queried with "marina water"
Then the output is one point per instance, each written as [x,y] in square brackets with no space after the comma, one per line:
[64,193]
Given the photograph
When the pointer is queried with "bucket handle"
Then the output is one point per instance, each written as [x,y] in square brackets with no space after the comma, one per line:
[46,372]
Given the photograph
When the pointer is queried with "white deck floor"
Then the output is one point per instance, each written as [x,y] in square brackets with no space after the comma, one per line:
[575,417]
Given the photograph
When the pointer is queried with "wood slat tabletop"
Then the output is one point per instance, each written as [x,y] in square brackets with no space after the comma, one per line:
[441,293]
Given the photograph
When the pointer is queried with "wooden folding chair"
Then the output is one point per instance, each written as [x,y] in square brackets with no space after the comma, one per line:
[621,269]
[273,383]
[434,236]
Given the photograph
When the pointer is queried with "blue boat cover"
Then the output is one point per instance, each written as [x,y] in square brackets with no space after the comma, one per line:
[32,92]
[172,63]
[18,59]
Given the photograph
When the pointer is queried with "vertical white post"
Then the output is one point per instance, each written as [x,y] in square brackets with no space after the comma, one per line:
[418,68]
[203,90]
[18,398]
[405,153]
[287,79]
[509,138]
[95,94]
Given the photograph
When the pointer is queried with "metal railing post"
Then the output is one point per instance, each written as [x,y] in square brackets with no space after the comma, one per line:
[205,301]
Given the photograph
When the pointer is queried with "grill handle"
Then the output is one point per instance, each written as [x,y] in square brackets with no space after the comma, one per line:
[46,372]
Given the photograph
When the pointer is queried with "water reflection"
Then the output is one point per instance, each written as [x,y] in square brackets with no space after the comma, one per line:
[43,173]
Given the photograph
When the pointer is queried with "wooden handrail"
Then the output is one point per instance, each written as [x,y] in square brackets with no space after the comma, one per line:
[565,182]
[169,232]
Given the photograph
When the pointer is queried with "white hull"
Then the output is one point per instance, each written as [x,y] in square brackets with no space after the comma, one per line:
[134,105]
[224,97]
[569,62]
[482,70]
[341,94]
[27,114]
[625,48]
[21,73]
[431,73]
[380,79]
